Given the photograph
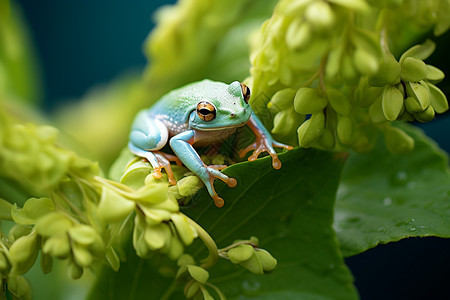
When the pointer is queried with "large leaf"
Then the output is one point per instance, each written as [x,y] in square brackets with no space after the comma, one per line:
[384,197]
[290,210]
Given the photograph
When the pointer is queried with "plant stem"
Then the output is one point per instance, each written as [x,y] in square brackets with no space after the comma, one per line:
[209,243]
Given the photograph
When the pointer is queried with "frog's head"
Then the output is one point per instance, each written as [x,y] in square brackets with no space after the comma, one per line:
[225,106]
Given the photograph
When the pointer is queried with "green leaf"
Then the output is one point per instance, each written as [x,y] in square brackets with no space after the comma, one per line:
[290,210]
[385,197]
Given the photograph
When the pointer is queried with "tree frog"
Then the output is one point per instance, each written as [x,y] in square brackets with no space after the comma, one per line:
[198,114]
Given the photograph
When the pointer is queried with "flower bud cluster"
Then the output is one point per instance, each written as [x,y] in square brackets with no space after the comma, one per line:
[196,278]
[29,155]
[403,90]
[249,256]
[60,236]
[158,223]
[324,108]
[10,262]
[293,41]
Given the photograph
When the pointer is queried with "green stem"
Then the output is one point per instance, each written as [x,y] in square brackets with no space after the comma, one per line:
[209,243]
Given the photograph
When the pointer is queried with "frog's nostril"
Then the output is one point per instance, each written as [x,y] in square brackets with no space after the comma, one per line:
[232,115]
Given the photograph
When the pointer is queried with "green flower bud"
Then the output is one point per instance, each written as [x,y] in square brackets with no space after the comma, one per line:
[421,52]
[407,117]
[412,105]
[426,115]
[309,101]
[253,265]
[19,287]
[339,102]
[81,255]
[320,15]
[112,206]
[298,35]
[33,209]
[397,141]
[192,290]
[74,270]
[327,139]
[366,95]
[268,262]
[199,274]
[152,194]
[52,224]
[5,206]
[438,99]
[176,248]
[57,246]
[434,75]
[46,263]
[189,185]
[5,266]
[344,129]
[281,100]
[23,253]
[83,234]
[413,70]
[376,113]
[388,72]
[185,231]
[135,174]
[365,62]
[17,231]
[419,91]
[311,130]
[240,253]
[286,122]
[391,102]
[157,236]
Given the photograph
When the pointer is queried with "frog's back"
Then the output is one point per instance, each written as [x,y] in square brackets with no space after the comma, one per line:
[175,107]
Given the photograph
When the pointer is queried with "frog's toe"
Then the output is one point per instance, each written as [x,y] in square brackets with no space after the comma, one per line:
[281,145]
[217,200]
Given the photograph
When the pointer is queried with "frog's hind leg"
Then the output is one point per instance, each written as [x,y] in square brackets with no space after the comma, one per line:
[146,138]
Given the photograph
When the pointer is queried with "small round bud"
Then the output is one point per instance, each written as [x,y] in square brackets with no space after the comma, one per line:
[413,70]
[309,101]
[240,253]
[198,273]
[392,102]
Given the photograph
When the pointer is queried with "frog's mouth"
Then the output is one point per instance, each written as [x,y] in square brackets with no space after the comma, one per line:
[212,128]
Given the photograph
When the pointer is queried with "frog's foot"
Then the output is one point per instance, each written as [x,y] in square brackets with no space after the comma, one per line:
[164,162]
[262,144]
[213,174]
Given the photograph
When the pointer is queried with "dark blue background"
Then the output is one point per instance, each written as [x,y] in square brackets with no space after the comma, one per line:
[82,43]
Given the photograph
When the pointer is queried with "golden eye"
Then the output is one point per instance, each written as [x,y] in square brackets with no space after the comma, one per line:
[245,92]
[206,111]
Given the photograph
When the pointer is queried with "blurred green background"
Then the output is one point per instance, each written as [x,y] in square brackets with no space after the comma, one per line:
[83,43]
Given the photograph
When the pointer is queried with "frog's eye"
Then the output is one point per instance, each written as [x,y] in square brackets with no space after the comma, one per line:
[245,92]
[206,111]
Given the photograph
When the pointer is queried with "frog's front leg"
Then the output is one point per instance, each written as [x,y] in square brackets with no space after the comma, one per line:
[147,137]
[264,142]
[182,146]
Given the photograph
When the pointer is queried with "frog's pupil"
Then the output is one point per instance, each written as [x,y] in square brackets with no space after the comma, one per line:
[205,111]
